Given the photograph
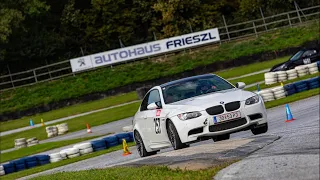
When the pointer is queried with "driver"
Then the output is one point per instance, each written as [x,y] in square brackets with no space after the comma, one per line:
[205,86]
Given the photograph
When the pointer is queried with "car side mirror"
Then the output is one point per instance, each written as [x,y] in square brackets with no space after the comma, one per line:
[152,106]
[240,85]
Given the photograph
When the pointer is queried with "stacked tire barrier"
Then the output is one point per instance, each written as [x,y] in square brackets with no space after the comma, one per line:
[313,83]
[32,141]
[282,76]
[75,151]
[20,143]
[298,71]
[62,128]
[84,148]
[267,95]
[52,131]
[279,92]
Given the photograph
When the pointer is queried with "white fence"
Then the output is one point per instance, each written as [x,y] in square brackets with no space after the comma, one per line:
[227,33]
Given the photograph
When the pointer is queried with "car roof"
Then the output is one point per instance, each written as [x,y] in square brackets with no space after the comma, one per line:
[185,79]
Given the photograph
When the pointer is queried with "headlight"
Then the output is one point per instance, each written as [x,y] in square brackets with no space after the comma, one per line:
[252,100]
[189,115]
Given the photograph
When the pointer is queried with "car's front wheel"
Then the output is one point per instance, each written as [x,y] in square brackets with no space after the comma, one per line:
[140,146]
[221,137]
[174,137]
[260,129]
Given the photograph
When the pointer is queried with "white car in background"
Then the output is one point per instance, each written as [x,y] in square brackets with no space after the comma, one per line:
[197,108]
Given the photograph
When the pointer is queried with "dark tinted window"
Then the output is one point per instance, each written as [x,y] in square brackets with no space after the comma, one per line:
[309,53]
[154,97]
[296,56]
[144,103]
[194,87]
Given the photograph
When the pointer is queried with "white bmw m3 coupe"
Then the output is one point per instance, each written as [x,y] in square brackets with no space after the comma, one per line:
[197,108]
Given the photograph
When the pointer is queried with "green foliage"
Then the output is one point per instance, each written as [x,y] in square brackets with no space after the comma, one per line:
[109,78]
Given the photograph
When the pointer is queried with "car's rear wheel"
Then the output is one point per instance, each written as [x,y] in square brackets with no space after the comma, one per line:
[260,129]
[174,137]
[221,137]
[140,146]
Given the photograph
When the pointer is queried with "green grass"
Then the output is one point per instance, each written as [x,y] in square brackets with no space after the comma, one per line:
[264,86]
[61,163]
[292,98]
[68,111]
[107,78]
[247,69]
[75,124]
[4,157]
[144,172]
[250,79]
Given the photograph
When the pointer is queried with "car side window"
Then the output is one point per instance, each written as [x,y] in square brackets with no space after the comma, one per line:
[144,103]
[154,97]
[309,53]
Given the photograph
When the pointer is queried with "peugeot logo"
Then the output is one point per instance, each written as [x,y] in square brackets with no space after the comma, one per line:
[221,102]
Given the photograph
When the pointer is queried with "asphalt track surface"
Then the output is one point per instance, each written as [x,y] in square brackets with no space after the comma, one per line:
[294,155]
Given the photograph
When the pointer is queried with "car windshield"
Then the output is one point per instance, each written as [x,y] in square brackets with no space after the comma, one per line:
[296,56]
[194,87]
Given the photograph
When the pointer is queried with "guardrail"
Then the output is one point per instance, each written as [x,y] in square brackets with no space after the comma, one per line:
[227,33]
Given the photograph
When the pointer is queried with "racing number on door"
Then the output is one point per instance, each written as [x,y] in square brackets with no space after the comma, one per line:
[157,125]
[307,61]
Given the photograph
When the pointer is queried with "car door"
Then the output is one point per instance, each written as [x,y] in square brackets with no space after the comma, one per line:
[141,117]
[155,119]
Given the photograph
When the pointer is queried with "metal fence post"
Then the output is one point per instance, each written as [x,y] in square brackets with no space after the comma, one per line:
[10,76]
[35,76]
[48,70]
[289,20]
[264,22]
[255,30]
[295,4]
[225,25]
[191,30]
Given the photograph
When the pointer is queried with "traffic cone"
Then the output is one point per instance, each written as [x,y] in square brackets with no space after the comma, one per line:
[289,114]
[88,128]
[42,122]
[125,148]
[31,123]
[281,84]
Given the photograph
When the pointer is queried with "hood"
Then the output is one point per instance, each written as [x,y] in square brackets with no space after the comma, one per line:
[205,101]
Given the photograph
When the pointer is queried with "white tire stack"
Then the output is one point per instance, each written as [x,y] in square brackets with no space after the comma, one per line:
[84,148]
[20,143]
[52,131]
[292,74]
[2,171]
[313,68]
[279,92]
[62,128]
[127,128]
[32,141]
[63,154]
[55,157]
[302,70]
[282,76]
[267,95]
[270,78]
[72,152]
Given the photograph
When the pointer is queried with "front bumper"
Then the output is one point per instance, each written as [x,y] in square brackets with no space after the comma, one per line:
[203,126]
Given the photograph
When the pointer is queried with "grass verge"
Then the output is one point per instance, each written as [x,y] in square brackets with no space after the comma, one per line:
[144,172]
[4,157]
[250,79]
[250,68]
[292,98]
[75,124]
[61,163]
[68,111]
[109,78]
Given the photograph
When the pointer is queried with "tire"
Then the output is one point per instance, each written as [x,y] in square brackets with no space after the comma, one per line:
[100,148]
[302,74]
[312,65]
[72,151]
[20,143]
[74,155]
[291,71]
[32,164]
[42,157]
[221,137]
[44,162]
[290,78]
[174,137]
[302,89]
[20,140]
[270,75]
[314,86]
[55,156]
[98,144]
[260,130]
[20,167]
[111,141]
[2,172]
[63,154]
[140,146]
[86,151]
[83,146]
[31,139]
[301,86]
